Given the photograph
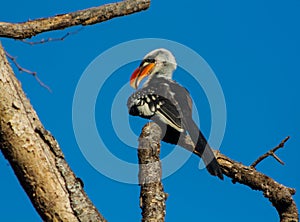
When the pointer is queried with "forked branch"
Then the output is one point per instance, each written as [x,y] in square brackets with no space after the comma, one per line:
[279,195]
[271,153]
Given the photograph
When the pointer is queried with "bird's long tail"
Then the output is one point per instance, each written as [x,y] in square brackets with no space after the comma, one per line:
[204,150]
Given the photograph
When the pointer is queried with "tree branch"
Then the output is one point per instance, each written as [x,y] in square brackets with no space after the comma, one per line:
[36,158]
[279,195]
[152,196]
[83,17]
[42,41]
[21,69]
[271,153]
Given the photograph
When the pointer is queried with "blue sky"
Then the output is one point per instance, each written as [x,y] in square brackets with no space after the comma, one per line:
[253,49]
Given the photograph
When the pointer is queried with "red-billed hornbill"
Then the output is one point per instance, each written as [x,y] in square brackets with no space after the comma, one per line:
[168,104]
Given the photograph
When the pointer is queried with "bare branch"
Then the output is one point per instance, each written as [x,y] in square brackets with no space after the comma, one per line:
[271,153]
[152,196]
[35,156]
[83,17]
[279,195]
[21,69]
[42,41]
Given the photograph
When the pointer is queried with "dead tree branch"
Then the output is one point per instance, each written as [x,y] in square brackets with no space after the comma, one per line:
[152,196]
[21,69]
[271,153]
[83,17]
[279,195]
[42,41]
[36,158]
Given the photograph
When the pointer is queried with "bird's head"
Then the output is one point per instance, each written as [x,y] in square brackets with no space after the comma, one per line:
[159,62]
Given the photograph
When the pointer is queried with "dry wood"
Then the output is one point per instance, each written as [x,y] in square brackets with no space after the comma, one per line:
[89,16]
[152,195]
[271,153]
[33,153]
[36,158]
[279,195]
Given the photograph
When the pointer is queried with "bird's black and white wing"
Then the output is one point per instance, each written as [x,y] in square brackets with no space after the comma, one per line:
[148,105]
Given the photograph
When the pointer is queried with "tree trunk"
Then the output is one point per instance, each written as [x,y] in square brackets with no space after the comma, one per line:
[36,158]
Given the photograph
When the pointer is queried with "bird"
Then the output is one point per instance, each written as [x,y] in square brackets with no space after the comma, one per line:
[167,103]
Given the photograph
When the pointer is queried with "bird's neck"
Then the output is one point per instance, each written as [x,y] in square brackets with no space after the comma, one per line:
[157,77]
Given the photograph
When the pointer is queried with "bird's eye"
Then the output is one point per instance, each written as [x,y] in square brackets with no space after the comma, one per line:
[144,64]
[147,61]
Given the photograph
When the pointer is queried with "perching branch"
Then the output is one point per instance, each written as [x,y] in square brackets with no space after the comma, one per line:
[279,195]
[271,153]
[35,156]
[83,17]
[152,196]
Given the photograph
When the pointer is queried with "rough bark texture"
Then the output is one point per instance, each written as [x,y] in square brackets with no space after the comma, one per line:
[84,17]
[152,196]
[36,158]
[279,195]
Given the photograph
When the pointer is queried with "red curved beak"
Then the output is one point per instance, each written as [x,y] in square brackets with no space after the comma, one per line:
[139,74]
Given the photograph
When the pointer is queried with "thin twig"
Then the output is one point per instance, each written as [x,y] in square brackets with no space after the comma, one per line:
[52,39]
[271,153]
[21,69]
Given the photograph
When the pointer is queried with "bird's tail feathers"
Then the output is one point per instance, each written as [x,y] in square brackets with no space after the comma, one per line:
[204,150]
[211,162]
